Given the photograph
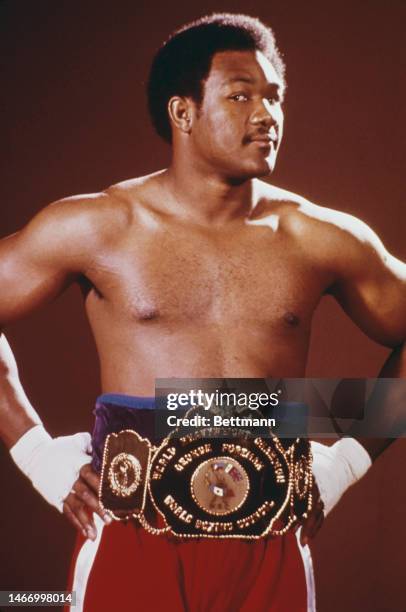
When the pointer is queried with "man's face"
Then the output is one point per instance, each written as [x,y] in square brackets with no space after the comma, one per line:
[238,127]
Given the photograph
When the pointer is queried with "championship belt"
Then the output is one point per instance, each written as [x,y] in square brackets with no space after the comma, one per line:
[212,483]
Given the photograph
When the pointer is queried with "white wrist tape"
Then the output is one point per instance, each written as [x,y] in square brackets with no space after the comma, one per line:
[337,467]
[52,464]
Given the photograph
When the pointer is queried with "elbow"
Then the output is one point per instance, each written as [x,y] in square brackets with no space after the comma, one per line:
[395,366]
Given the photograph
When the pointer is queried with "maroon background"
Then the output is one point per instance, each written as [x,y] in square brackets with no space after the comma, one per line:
[76,121]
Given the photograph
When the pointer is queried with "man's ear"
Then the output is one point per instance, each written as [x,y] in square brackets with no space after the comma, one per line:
[181,113]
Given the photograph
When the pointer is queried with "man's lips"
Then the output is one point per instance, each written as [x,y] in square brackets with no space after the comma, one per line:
[264,144]
[265,140]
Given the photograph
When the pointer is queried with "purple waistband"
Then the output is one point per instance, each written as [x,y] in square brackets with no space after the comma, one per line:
[115,412]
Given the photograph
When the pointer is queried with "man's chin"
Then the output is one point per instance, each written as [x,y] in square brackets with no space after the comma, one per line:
[264,172]
[263,165]
[263,169]
[254,170]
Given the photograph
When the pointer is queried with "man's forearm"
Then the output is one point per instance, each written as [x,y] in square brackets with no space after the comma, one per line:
[16,412]
[341,465]
[386,403]
[52,464]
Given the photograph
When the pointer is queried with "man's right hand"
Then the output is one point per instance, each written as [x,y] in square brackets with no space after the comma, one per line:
[82,502]
[59,469]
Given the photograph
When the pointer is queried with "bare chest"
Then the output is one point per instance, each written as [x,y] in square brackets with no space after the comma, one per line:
[237,280]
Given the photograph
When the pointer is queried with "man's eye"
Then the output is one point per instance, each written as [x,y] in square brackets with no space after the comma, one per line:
[273,100]
[239,97]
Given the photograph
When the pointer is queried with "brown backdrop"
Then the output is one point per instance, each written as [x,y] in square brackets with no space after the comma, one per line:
[75,121]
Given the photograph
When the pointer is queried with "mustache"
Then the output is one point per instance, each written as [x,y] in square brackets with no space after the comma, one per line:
[270,136]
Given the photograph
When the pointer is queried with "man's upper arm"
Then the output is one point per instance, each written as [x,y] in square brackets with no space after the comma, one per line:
[38,262]
[370,284]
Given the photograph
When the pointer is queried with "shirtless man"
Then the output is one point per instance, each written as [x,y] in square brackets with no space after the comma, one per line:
[201,270]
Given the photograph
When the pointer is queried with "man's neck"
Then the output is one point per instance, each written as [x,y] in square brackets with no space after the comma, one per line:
[205,197]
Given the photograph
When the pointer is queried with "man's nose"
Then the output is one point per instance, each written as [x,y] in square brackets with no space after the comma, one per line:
[264,113]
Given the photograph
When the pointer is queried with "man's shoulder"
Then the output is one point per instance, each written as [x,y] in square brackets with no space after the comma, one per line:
[135,193]
[305,219]
[96,217]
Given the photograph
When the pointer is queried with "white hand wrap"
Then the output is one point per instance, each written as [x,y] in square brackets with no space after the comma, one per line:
[52,464]
[337,467]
